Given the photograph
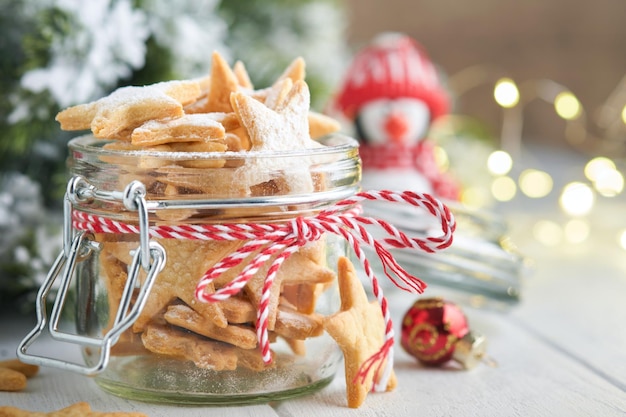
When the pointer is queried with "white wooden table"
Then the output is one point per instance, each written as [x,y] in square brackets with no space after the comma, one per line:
[560,352]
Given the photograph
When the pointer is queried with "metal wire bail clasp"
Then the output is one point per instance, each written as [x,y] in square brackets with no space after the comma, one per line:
[77,247]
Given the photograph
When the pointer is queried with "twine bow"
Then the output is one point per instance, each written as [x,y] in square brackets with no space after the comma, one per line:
[281,240]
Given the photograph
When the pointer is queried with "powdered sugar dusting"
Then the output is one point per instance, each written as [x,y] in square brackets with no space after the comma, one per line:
[129,96]
[191,120]
[271,131]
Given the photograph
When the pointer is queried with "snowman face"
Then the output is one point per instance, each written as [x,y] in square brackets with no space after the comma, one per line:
[401,121]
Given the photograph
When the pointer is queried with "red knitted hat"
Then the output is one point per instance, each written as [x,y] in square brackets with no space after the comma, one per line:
[393,66]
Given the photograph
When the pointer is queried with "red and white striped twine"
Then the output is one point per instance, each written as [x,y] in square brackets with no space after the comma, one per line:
[280,240]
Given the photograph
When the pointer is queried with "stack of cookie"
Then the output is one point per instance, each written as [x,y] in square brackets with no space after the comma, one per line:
[223,117]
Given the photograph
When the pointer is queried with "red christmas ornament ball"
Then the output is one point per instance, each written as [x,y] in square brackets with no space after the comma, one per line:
[435,331]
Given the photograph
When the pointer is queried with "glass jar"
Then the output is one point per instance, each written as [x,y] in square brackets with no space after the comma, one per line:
[482,267]
[147,226]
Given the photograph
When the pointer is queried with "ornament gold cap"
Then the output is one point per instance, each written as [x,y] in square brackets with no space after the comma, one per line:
[470,350]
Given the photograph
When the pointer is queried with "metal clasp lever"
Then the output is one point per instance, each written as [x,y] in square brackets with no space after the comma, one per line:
[150,256]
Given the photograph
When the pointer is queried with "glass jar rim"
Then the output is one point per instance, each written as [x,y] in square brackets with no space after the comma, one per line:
[334,143]
[337,162]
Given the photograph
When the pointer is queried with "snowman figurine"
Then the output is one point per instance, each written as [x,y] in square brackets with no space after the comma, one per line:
[390,96]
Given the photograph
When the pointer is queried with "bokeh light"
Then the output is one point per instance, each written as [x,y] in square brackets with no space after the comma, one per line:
[610,183]
[576,230]
[499,163]
[622,239]
[624,114]
[577,199]
[503,188]
[475,197]
[506,93]
[534,183]
[567,106]
[441,158]
[548,232]
[607,180]
[595,167]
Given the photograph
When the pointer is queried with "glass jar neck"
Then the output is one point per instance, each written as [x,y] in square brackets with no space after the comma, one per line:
[218,187]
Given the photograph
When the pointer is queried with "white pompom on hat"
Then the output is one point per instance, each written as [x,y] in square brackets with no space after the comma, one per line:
[392,66]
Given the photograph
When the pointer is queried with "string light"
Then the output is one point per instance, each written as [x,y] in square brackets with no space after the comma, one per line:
[499,163]
[606,179]
[609,119]
[474,197]
[506,93]
[596,166]
[576,231]
[534,183]
[577,199]
[610,183]
[503,188]
[567,106]
[622,239]
[441,158]
[548,233]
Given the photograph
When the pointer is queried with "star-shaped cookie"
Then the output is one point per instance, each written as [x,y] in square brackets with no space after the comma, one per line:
[296,70]
[239,69]
[187,128]
[284,128]
[116,115]
[359,331]
[186,261]
[295,269]
[223,82]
